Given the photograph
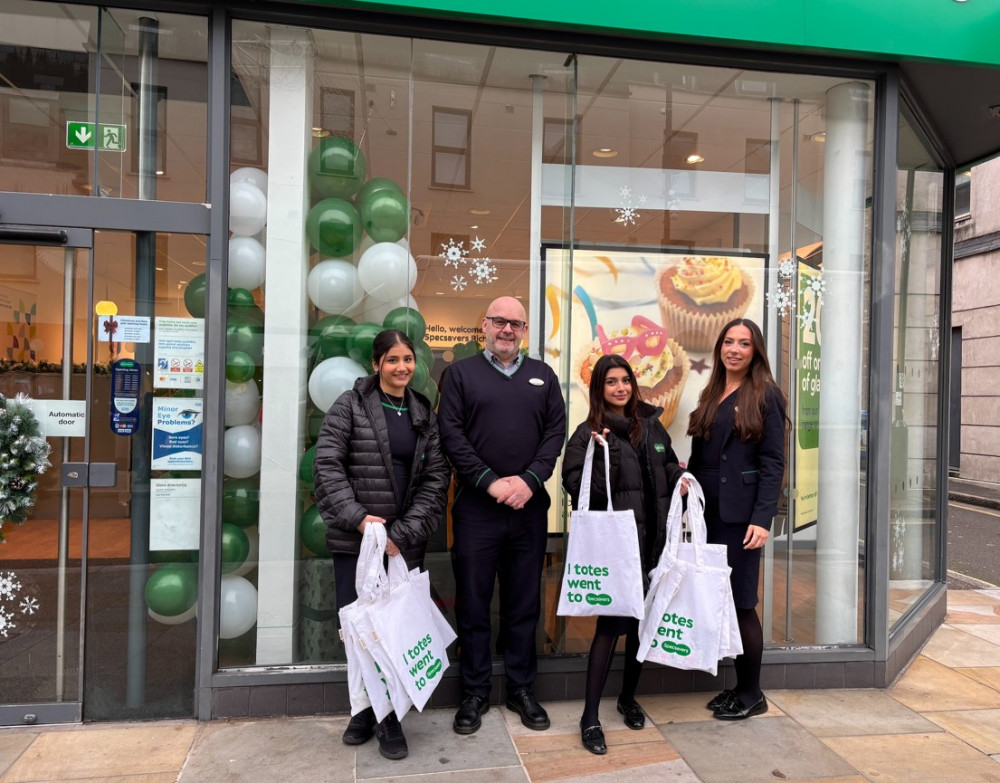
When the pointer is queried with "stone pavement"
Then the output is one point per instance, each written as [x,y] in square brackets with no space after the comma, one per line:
[976,493]
[939,722]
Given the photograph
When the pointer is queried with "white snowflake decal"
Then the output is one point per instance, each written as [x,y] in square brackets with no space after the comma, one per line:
[453,253]
[818,286]
[786,267]
[642,200]
[458,283]
[626,215]
[624,194]
[30,605]
[781,300]
[9,584]
[7,623]
[482,271]
[806,318]
[478,245]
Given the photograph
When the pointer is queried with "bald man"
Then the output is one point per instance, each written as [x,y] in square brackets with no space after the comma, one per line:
[503,424]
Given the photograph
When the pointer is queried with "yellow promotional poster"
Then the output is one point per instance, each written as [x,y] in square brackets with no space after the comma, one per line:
[807,396]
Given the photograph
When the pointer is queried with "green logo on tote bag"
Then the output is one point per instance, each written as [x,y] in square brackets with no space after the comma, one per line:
[602,599]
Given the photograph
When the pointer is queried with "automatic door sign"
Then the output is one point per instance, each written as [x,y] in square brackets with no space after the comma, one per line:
[126,383]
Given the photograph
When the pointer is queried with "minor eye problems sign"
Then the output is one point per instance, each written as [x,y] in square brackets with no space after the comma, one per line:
[177,429]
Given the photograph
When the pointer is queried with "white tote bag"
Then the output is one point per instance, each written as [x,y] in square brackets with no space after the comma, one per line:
[686,621]
[603,574]
[414,634]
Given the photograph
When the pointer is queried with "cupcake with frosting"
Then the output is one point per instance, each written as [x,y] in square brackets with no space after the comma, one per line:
[701,295]
[660,364]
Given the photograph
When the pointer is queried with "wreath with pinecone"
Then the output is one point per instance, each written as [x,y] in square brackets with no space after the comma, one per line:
[23,457]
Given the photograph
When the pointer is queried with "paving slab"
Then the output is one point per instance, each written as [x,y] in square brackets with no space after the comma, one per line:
[836,713]
[989,632]
[105,753]
[929,686]
[12,746]
[980,728]
[987,675]
[668,708]
[954,647]
[755,751]
[436,748]
[501,775]
[271,750]
[906,758]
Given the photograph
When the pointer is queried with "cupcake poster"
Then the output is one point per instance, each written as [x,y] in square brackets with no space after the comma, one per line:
[662,311]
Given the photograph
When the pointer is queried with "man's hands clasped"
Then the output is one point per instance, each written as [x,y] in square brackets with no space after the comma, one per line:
[512,491]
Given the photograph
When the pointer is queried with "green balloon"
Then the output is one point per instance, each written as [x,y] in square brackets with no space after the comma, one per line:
[330,335]
[423,351]
[172,589]
[359,342]
[194,300]
[306,466]
[421,376]
[430,391]
[336,168]
[386,216]
[238,298]
[240,502]
[247,336]
[376,185]
[334,227]
[312,532]
[406,320]
[313,422]
[239,366]
[235,547]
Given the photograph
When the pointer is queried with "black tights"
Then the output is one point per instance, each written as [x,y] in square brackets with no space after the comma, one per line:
[748,664]
[602,654]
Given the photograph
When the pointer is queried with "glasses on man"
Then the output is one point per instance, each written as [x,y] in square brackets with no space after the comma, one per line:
[500,323]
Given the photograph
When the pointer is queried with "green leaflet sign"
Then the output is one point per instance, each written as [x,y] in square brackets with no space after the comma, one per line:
[946,30]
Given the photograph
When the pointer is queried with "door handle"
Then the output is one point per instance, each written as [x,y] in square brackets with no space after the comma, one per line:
[89,474]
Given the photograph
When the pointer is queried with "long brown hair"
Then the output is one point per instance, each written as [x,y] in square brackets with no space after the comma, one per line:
[750,397]
[599,409]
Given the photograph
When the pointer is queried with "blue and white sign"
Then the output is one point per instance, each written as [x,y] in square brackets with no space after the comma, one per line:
[177,432]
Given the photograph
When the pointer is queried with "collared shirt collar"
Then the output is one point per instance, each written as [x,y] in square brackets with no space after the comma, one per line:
[495,360]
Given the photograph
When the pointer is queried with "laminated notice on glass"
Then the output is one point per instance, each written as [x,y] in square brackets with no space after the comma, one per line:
[126,383]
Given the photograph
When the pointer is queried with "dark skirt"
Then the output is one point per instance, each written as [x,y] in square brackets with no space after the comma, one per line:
[745,563]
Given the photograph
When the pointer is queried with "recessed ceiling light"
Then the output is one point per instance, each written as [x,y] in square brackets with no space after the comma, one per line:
[819,137]
[320,133]
[473,226]
[605,152]
[160,173]
[159,269]
[695,158]
[479,212]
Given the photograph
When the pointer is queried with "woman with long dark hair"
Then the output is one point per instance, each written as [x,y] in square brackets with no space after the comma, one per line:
[738,456]
[379,462]
[644,471]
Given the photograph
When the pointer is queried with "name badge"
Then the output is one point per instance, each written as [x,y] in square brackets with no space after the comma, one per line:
[536,381]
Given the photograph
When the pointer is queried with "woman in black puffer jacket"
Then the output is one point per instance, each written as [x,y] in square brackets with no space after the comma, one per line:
[379,461]
[643,471]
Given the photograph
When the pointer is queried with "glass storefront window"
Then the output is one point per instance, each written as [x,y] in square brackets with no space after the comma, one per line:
[376,178]
[914,526]
[125,86]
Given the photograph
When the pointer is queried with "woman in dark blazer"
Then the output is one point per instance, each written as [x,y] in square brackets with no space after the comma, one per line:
[643,470]
[379,461]
[738,457]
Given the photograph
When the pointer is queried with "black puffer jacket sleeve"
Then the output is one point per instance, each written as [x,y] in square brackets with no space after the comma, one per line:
[572,468]
[334,493]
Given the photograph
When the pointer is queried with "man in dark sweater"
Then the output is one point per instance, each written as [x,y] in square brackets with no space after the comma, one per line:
[503,424]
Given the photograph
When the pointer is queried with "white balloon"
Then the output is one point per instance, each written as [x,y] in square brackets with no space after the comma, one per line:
[331,378]
[242,402]
[256,177]
[248,565]
[242,451]
[334,287]
[247,209]
[375,311]
[387,271]
[175,619]
[246,263]
[237,606]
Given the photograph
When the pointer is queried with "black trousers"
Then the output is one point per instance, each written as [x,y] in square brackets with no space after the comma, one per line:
[494,541]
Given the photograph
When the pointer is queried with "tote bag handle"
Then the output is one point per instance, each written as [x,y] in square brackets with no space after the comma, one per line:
[588,470]
[370,578]
[696,517]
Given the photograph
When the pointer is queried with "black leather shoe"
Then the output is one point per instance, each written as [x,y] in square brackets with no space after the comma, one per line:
[391,741]
[721,699]
[635,718]
[468,719]
[593,739]
[736,710]
[360,728]
[533,715]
